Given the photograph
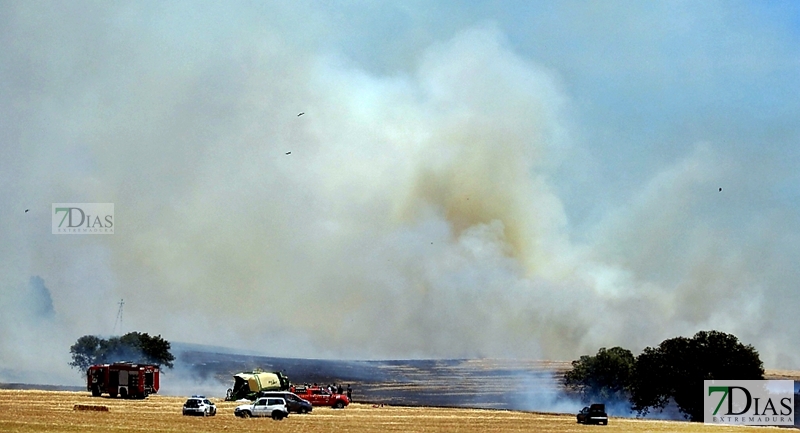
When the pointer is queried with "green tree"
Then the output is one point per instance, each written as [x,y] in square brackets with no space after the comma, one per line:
[85,352]
[155,350]
[603,377]
[132,347]
[675,370]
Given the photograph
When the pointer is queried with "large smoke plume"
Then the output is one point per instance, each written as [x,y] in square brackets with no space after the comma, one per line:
[420,213]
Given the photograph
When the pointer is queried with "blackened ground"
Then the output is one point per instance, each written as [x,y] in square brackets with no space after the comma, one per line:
[42,387]
[502,384]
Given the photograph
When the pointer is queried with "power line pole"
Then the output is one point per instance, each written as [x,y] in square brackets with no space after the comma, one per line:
[119,317]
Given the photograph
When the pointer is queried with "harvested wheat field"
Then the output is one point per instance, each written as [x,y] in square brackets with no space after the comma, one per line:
[56,411]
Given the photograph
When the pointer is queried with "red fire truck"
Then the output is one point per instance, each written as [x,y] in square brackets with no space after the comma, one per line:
[125,379]
[319,396]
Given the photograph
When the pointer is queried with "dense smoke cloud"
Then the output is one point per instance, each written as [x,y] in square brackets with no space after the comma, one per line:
[424,210]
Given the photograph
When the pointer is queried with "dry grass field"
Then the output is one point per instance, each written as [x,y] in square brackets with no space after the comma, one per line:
[27,411]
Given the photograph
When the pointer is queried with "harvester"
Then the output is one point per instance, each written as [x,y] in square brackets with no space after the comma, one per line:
[248,384]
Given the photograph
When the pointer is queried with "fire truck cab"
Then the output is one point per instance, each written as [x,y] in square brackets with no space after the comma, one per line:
[125,379]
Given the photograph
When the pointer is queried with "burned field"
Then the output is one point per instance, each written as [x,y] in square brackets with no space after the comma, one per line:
[526,385]
[495,384]
[28,411]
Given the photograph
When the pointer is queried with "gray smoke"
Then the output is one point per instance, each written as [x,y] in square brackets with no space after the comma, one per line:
[426,209]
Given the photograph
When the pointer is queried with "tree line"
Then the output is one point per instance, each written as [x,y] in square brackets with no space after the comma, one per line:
[671,372]
[140,348]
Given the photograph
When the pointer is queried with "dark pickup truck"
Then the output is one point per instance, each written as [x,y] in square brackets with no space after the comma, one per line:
[594,414]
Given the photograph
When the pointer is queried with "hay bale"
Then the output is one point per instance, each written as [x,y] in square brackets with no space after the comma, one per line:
[92,407]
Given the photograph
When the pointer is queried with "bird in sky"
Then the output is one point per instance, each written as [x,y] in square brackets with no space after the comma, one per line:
[288,153]
[720,190]
[26,210]
[301,114]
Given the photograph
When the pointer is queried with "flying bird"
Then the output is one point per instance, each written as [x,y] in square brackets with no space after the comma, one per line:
[720,190]
[26,210]
[288,153]
[301,114]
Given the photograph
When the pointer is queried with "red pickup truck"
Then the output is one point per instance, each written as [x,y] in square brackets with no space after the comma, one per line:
[321,397]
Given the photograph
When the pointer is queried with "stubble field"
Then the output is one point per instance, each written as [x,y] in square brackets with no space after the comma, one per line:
[28,411]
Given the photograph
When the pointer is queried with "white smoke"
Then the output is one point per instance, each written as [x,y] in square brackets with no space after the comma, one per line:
[419,213]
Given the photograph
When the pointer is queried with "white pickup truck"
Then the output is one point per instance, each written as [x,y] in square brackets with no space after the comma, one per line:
[274,407]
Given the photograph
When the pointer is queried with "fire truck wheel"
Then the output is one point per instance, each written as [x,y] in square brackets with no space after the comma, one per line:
[123,393]
[95,391]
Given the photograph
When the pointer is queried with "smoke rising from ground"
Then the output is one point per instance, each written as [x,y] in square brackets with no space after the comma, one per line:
[423,211]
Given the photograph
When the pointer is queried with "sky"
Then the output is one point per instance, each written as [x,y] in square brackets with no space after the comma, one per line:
[530,180]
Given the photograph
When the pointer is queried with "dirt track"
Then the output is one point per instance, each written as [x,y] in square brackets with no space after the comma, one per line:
[52,411]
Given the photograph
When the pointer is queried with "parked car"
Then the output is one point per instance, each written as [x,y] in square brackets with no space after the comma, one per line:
[594,414]
[293,402]
[321,397]
[273,407]
[199,405]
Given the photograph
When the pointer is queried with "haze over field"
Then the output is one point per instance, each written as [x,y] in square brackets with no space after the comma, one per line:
[531,181]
